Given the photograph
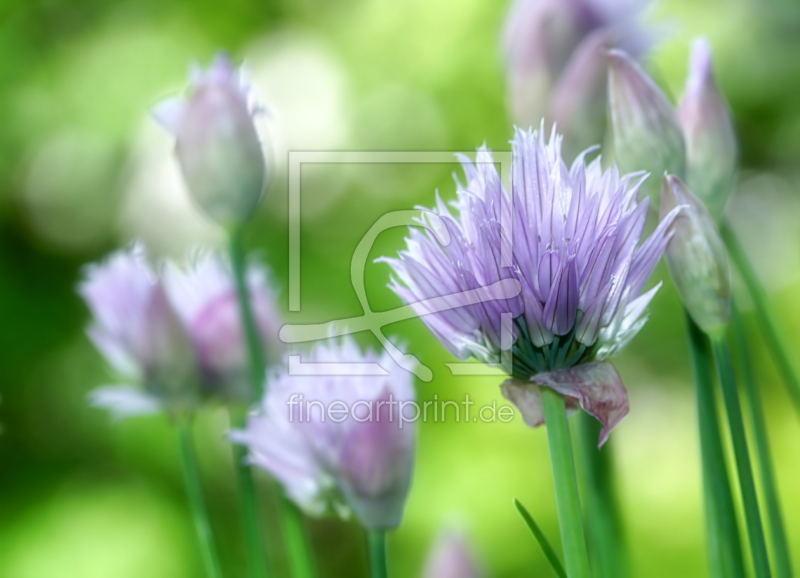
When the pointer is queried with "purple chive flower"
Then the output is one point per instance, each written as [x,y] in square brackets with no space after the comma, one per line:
[137,330]
[571,240]
[335,439]
[554,51]
[218,147]
[711,156]
[204,296]
[451,557]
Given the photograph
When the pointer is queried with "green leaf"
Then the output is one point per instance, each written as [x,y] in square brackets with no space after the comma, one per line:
[548,550]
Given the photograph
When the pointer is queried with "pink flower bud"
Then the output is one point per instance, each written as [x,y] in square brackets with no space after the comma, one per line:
[136,328]
[647,136]
[218,147]
[333,434]
[205,299]
[696,258]
[451,557]
[708,130]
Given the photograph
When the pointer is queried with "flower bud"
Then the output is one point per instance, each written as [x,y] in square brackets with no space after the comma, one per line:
[336,437]
[708,130]
[136,328]
[205,298]
[218,147]
[451,557]
[647,136]
[696,258]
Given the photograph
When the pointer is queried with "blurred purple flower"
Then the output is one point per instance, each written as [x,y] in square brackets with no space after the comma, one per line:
[218,148]
[174,337]
[335,440]
[554,51]
[571,240]
[451,557]
[204,296]
[137,330]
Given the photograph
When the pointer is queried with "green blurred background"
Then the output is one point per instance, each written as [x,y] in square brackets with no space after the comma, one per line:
[83,171]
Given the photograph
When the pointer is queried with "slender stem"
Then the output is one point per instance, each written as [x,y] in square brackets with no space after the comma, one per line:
[576,556]
[256,561]
[301,559]
[603,527]
[768,325]
[777,532]
[247,493]
[747,486]
[255,352]
[191,476]
[376,544]
[722,531]
[299,554]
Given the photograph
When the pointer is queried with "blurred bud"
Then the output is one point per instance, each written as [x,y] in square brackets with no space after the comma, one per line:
[205,299]
[578,102]
[708,130]
[451,557]
[218,147]
[136,328]
[554,68]
[647,136]
[337,439]
[696,258]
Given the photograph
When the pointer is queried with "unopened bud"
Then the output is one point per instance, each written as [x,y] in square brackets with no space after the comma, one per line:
[708,130]
[696,258]
[218,147]
[647,136]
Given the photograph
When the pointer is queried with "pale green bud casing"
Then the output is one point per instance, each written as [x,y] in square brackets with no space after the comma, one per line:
[218,148]
[708,130]
[696,257]
[647,136]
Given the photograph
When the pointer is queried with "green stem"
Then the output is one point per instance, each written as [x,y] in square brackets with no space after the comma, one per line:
[722,531]
[376,545]
[256,561]
[191,475]
[299,554]
[768,325]
[747,486]
[568,504]
[777,532]
[603,527]
[301,560]
[255,352]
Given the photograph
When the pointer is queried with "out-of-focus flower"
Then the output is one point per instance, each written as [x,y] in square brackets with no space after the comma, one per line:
[554,51]
[204,296]
[451,557]
[569,237]
[708,130]
[697,258]
[334,437]
[218,147]
[647,135]
[137,330]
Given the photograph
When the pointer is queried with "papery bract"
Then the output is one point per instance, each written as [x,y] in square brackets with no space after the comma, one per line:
[697,259]
[708,130]
[647,135]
